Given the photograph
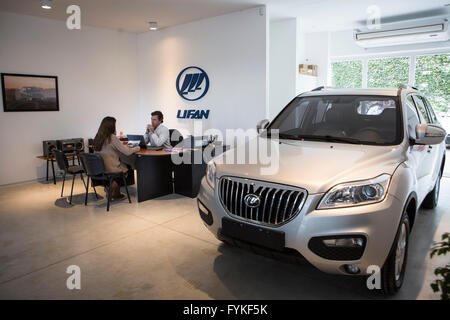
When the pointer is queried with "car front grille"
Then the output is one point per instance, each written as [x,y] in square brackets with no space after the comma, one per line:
[277,203]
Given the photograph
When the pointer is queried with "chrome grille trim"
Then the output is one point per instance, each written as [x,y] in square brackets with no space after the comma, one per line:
[279,203]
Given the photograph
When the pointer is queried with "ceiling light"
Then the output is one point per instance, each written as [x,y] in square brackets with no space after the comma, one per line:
[153,25]
[46,4]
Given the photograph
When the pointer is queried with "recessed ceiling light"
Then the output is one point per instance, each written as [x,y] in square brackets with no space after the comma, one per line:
[153,25]
[46,4]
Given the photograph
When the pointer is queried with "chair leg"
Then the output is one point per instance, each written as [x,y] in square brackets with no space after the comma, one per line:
[64,179]
[87,190]
[82,179]
[95,191]
[53,171]
[71,190]
[126,188]
[108,191]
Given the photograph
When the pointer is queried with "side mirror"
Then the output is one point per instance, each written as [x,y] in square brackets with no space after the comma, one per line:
[261,125]
[429,134]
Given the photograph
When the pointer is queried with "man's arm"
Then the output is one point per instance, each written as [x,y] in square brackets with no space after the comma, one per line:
[147,137]
[158,139]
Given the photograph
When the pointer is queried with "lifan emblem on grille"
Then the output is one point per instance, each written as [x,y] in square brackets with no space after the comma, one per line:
[252,200]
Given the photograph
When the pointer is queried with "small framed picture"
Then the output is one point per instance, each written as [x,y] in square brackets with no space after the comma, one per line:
[25,92]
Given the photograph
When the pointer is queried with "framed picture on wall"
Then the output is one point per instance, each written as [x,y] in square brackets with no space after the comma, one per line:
[25,92]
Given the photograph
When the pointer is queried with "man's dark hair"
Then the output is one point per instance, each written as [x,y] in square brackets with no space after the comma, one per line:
[159,114]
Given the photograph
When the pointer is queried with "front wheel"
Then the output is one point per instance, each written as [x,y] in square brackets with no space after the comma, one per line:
[393,271]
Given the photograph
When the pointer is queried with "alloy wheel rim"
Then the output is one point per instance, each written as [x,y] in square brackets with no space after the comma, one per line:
[400,252]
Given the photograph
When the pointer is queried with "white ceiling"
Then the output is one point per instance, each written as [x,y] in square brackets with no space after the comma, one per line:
[314,15]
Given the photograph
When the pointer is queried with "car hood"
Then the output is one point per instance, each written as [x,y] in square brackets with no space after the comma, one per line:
[313,165]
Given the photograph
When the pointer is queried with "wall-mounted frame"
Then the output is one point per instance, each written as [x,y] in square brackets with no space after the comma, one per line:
[26,92]
[308,69]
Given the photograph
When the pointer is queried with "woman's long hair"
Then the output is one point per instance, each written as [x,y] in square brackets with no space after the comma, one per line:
[106,129]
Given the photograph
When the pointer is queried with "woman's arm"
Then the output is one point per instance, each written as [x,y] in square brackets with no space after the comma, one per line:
[119,146]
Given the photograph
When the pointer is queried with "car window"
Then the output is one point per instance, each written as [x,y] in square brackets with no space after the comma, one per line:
[424,117]
[362,118]
[434,118]
[413,117]
[295,117]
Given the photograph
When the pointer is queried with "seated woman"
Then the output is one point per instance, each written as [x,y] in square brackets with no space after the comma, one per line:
[110,147]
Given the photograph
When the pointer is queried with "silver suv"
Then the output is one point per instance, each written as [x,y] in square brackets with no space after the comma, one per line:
[354,167]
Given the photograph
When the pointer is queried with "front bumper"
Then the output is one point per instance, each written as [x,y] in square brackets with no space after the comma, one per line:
[377,223]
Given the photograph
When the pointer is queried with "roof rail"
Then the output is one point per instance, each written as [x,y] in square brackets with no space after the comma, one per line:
[322,88]
[405,86]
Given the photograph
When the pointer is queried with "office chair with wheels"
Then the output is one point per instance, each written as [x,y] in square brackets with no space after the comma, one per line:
[95,169]
[63,164]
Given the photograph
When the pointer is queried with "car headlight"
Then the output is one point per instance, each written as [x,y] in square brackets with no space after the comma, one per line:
[211,174]
[356,193]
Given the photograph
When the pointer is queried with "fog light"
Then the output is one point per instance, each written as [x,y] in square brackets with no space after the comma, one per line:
[344,242]
[205,214]
[202,207]
[351,268]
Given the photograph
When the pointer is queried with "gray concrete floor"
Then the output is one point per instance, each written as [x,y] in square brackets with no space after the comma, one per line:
[159,249]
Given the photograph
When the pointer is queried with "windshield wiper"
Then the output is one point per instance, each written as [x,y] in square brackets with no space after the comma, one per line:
[317,138]
[330,139]
[285,136]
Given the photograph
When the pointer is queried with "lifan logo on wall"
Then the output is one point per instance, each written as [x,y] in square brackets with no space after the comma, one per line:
[192,83]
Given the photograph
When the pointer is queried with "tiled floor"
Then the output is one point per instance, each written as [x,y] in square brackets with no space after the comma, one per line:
[159,249]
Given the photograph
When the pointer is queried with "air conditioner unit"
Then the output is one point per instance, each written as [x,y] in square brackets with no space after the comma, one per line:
[408,35]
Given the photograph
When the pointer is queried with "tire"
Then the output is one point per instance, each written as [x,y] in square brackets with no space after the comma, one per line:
[431,200]
[393,271]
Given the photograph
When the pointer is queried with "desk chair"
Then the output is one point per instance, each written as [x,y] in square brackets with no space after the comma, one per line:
[175,137]
[63,164]
[88,176]
[91,145]
[95,169]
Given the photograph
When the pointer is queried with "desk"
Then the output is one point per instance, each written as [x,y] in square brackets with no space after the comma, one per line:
[157,175]
[154,174]
[52,160]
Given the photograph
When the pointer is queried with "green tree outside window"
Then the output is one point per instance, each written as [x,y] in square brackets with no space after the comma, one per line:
[347,74]
[387,72]
[433,79]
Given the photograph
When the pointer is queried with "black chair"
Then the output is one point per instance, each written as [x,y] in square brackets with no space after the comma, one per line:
[175,137]
[87,183]
[95,169]
[63,164]
[91,145]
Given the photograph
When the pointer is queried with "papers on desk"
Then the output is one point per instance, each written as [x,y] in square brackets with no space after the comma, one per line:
[174,150]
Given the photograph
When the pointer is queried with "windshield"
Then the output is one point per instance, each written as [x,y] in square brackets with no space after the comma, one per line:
[347,119]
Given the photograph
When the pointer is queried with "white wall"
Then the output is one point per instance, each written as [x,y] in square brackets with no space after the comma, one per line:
[232,49]
[315,50]
[103,72]
[97,76]
[283,66]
